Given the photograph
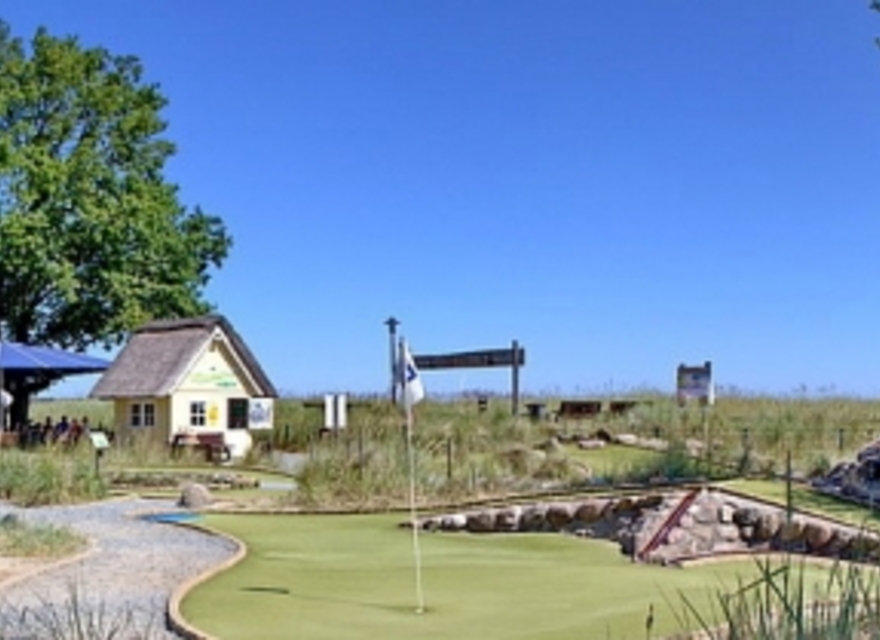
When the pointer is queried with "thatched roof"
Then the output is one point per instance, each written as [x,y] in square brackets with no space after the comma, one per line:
[158,354]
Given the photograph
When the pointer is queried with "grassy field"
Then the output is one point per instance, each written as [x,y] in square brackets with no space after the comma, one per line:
[612,459]
[338,577]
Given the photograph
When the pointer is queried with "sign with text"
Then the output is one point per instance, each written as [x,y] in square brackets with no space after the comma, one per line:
[260,413]
[472,359]
[695,383]
[99,440]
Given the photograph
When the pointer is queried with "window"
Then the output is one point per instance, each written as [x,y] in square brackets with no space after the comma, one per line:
[142,414]
[135,417]
[197,414]
[149,414]
[238,413]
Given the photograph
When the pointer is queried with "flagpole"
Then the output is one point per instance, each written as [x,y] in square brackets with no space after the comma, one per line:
[414,521]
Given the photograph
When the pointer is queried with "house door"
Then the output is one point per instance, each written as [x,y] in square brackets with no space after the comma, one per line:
[238,413]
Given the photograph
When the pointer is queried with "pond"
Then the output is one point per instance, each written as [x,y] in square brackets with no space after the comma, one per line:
[170,516]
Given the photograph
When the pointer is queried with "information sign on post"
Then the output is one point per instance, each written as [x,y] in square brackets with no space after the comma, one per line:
[695,383]
[100,444]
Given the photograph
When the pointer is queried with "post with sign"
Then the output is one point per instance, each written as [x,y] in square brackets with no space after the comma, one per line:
[695,383]
[100,444]
[513,357]
[514,377]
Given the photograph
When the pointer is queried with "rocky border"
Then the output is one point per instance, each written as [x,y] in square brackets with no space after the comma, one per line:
[673,527]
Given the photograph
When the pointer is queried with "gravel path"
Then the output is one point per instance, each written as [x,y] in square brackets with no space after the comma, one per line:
[126,580]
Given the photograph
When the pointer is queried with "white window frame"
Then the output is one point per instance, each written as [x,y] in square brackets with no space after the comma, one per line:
[198,413]
[142,414]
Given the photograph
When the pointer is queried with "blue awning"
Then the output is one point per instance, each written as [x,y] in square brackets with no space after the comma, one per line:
[34,359]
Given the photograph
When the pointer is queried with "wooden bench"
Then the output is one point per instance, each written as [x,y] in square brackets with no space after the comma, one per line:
[578,409]
[620,407]
[213,445]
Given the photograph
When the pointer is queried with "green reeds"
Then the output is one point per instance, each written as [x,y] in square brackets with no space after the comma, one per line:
[790,600]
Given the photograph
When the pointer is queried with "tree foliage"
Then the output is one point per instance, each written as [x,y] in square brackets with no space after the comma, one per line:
[93,238]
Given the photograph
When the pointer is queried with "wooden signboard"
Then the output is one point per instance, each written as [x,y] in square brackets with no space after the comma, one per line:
[513,357]
[472,359]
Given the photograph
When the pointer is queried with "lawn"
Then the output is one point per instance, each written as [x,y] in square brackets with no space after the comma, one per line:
[613,459]
[806,499]
[340,577]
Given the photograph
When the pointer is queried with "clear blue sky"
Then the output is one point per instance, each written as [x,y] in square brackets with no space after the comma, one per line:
[621,186]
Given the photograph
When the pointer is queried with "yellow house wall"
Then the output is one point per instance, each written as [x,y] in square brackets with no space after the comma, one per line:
[127,433]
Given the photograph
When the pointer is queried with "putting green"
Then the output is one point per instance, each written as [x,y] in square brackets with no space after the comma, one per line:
[339,577]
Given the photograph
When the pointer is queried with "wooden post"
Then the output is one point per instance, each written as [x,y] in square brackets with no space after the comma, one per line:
[789,508]
[361,450]
[840,440]
[706,444]
[449,446]
[514,378]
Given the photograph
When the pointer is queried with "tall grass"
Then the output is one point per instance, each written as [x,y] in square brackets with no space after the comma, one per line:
[21,540]
[782,604]
[462,452]
[49,476]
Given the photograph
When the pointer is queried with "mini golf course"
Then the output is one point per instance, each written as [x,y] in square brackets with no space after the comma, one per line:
[338,577]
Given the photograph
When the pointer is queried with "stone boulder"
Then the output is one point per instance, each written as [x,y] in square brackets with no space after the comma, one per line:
[453,522]
[589,511]
[650,501]
[747,516]
[533,518]
[507,519]
[817,535]
[481,521]
[194,496]
[766,527]
[559,515]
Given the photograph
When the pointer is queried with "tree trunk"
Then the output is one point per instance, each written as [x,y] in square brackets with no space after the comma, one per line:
[21,400]
[19,411]
[22,388]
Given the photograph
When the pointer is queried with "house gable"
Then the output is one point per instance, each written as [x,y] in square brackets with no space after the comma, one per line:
[163,355]
[216,368]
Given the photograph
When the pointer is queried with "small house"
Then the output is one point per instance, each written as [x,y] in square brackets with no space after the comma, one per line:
[192,380]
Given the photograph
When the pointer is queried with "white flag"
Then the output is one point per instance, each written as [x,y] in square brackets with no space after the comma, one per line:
[5,398]
[413,390]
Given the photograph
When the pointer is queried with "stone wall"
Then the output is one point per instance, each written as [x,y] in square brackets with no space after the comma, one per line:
[715,523]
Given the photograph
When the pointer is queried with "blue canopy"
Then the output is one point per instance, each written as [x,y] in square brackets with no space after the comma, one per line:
[31,359]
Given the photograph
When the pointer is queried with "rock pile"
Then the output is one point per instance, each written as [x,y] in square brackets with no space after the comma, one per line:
[656,528]
[857,480]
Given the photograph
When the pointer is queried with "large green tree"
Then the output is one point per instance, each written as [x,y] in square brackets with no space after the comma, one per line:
[93,239]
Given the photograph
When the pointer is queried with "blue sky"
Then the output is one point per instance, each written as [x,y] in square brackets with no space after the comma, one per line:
[621,186]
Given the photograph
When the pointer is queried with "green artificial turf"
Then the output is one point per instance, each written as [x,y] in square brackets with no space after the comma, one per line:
[339,577]
[806,499]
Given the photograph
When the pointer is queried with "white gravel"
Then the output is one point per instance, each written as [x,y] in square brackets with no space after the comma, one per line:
[133,569]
